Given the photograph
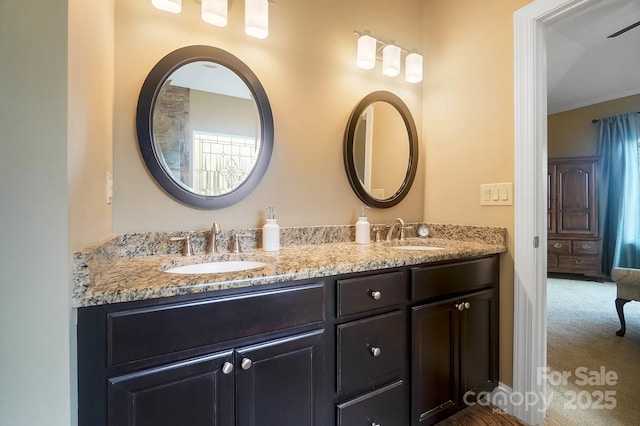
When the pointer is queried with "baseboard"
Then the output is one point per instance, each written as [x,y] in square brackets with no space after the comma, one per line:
[501,397]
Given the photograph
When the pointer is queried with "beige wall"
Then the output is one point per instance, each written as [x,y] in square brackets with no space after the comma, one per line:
[468,126]
[90,116]
[306,66]
[571,133]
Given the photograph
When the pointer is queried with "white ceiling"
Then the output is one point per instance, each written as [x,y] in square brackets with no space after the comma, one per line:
[584,66]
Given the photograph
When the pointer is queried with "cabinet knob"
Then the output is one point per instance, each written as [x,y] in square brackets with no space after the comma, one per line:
[375,351]
[557,245]
[227,368]
[377,295]
[459,306]
[246,363]
[467,305]
[375,424]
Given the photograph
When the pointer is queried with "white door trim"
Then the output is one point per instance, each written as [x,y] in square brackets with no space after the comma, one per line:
[528,398]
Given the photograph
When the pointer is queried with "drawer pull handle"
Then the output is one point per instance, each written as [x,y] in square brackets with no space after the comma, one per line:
[227,368]
[579,261]
[586,246]
[376,351]
[377,295]
[557,245]
[375,424]
[246,363]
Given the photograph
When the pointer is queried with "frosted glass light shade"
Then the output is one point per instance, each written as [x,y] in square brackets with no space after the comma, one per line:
[391,60]
[366,55]
[256,18]
[413,67]
[173,6]
[215,12]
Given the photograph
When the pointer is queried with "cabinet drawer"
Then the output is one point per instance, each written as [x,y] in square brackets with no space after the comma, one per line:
[579,263]
[371,292]
[558,246]
[552,260]
[437,281]
[148,332]
[370,351]
[384,406]
[586,247]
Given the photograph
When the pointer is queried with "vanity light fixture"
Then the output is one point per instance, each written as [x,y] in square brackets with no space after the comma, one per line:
[215,12]
[413,67]
[368,51]
[256,18]
[391,60]
[173,6]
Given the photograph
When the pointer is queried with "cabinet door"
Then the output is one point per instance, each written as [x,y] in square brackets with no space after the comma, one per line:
[434,364]
[195,392]
[576,208]
[280,382]
[478,344]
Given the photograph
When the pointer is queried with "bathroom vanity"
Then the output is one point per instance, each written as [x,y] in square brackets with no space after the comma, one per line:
[370,335]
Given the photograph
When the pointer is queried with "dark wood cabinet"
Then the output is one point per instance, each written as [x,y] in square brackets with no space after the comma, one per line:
[245,387]
[435,358]
[383,406]
[454,337]
[573,244]
[280,382]
[408,345]
[371,354]
[232,359]
[196,392]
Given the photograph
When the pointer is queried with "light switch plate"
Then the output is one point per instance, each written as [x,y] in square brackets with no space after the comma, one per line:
[496,194]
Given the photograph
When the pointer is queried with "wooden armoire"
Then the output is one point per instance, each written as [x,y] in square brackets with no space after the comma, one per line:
[573,244]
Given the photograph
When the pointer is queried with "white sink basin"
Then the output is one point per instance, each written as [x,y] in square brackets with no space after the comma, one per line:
[217,267]
[417,248]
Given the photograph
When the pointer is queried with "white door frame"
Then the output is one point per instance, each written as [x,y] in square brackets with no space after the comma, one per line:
[528,398]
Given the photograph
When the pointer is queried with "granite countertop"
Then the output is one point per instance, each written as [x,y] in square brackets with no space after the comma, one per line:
[112,279]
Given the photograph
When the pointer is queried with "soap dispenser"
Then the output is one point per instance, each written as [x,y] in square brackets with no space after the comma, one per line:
[271,233]
[363,231]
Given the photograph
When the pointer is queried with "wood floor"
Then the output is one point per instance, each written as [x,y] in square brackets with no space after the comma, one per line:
[481,415]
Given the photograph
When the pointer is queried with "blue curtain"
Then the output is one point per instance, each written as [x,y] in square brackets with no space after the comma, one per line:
[619,191]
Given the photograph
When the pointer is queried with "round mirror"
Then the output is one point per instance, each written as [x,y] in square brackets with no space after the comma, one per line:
[205,127]
[381,149]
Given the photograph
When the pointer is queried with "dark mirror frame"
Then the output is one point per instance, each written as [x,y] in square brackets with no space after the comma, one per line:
[144,124]
[349,161]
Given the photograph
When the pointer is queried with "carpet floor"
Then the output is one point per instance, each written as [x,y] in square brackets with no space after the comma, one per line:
[594,375]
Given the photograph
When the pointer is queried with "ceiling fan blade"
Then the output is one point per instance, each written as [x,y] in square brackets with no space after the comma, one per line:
[624,30]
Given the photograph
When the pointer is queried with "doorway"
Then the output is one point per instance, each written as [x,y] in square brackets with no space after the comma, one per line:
[530,269]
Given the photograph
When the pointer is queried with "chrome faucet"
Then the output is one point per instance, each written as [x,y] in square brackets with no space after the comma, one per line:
[392,225]
[212,246]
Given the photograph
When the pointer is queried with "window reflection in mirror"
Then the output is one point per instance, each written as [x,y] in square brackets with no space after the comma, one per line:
[206,128]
